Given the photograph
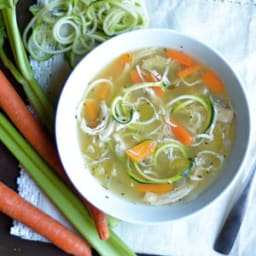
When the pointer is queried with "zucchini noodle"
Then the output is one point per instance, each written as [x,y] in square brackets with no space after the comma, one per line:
[75,27]
[205,161]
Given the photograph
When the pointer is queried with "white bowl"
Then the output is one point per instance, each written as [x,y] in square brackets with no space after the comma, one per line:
[67,133]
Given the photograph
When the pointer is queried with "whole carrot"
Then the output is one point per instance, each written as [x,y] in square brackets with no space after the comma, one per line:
[19,209]
[39,138]
[14,107]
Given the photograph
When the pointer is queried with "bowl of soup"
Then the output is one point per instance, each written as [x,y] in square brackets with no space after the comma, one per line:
[152,126]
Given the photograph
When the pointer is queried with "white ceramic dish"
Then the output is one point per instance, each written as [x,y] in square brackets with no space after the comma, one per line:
[67,136]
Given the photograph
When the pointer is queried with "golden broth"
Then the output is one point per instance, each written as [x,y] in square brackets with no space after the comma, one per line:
[155,126]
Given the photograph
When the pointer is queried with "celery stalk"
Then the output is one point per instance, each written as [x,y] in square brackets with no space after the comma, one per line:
[34,91]
[58,192]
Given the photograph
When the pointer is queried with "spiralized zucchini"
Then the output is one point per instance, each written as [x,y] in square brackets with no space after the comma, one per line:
[75,27]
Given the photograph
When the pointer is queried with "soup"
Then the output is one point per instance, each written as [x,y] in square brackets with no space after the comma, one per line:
[155,126]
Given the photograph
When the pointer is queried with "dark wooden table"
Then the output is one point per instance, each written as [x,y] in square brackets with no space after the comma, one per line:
[11,245]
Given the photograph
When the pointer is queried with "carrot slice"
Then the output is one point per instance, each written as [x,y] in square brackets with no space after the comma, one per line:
[181,133]
[41,141]
[135,76]
[103,91]
[180,57]
[122,60]
[188,71]
[19,209]
[141,151]
[213,81]
[156,188]
[91,112]
[157,90]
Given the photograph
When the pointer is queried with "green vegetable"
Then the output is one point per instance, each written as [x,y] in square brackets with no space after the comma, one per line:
[75,27]
[119,110]
[138,175]
[58,192]
[23,73]
[143,85]
[181,102]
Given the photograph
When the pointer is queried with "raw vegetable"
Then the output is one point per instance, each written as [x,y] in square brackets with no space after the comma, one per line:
[19,209]
[75,27]
[36,97]
[31,129]
[141,151]
[26,123]
[24,73]
[59,193]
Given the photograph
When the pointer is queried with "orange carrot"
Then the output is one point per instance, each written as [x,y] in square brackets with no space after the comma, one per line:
[19,209]
[135,77]
[156,188]
[181,133]
[31,129]
[41,141]
[102,91]
[180,57]
[213,81]
[141,151]
[157,90]
[188,71]
[122,60]
[91,112]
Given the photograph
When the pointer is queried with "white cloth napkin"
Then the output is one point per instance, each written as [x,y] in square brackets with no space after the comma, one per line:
[230,27]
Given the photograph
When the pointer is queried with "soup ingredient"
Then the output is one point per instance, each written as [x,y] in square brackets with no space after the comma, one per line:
[181,133]
[31,129]
[91,112]
[169,159]
[103,91]
[18,208]
[213,81]
[156,188]
[58,192]
[24,73]
[135,76]
[188,71]
[164,128]
[141,151]
[75,27]
[122,61]
[180,57]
